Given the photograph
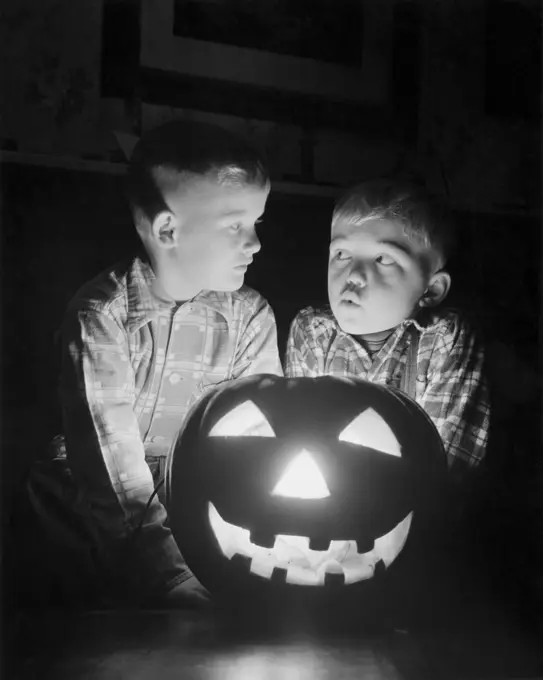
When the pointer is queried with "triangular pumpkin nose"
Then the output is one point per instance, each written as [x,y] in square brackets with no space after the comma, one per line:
[302,479]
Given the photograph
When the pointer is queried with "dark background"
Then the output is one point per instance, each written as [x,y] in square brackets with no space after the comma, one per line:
[60,226]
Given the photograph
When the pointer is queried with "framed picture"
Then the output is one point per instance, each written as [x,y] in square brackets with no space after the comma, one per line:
[311,30]
[338,50]
[312,81]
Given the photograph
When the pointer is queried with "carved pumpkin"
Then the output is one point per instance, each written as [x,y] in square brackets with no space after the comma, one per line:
[286,485]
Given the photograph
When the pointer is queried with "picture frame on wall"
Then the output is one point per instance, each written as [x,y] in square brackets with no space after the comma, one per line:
[305,84]
[316,30]
[270,46]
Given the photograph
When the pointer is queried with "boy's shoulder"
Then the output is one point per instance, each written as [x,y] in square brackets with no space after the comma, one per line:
[315,319]
[110,289]
[241,303]
[123,291]
[449,323]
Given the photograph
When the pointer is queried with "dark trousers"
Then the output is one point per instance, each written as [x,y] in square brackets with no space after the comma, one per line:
[55,554]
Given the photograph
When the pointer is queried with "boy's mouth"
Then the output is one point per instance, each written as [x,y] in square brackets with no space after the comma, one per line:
[350,299]
[243,266]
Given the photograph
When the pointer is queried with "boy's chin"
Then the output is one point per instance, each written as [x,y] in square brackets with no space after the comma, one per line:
[352,323]
[357,329]
[229,286]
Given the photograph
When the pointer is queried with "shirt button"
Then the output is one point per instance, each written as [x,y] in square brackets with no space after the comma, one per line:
[175,378]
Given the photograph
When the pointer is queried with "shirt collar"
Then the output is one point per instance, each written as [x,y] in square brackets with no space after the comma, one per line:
[144,304]
[423,320]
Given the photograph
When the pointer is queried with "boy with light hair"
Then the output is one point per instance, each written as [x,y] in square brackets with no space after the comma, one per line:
[385,322]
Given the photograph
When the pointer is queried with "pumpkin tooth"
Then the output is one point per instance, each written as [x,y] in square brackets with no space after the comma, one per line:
[319,544]
[292,550]
[339,550]
[302,576]
[261,566]
[334,579]
[279,575]
[241,562]
[359,568]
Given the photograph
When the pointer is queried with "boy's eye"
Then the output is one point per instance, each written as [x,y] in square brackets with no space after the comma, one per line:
[385,260]
[341,255]
[235,227]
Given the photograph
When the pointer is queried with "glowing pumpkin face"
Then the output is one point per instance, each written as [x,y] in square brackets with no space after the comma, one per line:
[281,483]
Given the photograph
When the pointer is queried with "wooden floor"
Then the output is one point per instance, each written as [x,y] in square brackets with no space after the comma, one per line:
[180,645]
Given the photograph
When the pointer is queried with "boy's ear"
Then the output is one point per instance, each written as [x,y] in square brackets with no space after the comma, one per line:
[437,290]
[164,229]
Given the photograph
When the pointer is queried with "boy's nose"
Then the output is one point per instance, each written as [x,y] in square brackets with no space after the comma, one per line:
[357,277]
[252,245]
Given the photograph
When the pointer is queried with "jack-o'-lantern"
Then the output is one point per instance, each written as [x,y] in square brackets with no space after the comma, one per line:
[280,485]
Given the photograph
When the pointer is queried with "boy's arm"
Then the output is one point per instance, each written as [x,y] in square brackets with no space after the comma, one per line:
[105,448]
[257,351]
[456,397]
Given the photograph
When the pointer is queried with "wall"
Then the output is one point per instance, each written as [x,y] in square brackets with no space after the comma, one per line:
[59,105]
[486,163]
[51,82]
[490,160]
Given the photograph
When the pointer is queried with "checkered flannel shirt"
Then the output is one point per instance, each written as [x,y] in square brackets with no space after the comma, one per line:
[450,384]
[132,366]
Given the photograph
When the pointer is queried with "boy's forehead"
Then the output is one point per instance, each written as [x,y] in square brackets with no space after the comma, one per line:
[385,232]
[373,229]
[211,197]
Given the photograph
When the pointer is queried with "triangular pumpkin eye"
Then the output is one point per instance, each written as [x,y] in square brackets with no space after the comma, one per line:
[369,429]
[245,420]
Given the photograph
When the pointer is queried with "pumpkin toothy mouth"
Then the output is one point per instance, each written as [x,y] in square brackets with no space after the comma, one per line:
[292,561]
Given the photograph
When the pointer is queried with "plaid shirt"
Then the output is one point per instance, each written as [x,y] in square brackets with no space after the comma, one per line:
[450,385]
[132,366]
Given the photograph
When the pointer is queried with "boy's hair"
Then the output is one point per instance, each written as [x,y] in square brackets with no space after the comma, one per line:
[423,216]
[182,150]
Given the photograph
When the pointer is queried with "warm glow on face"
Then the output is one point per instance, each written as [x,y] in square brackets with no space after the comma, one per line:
[302,479]
[369,429]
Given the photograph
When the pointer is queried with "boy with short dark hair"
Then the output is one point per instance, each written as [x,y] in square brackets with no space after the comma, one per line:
[386,281]
[145,339]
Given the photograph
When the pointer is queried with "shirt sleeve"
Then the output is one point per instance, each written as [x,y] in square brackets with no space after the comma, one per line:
[104,446]
[301,355]
[456,396]
[257,350]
